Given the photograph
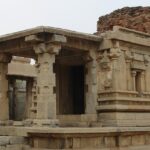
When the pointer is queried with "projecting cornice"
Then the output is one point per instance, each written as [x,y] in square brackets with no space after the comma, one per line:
[128,35]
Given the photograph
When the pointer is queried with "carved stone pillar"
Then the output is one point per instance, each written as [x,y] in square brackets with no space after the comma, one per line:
[4,104]
[114,54]
[46,84]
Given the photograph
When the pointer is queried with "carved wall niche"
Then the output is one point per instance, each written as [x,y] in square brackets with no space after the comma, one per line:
[138,67]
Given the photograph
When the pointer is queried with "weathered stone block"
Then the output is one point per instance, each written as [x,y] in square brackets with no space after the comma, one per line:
[76,142]
[59,38]
[125,141]
[18,123]
[17,140]
[4,140]
[110,141]
[2,148]
[138,140]
[14,147]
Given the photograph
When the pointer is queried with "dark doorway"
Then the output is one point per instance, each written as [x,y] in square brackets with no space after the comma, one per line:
[77,79]
[70,89]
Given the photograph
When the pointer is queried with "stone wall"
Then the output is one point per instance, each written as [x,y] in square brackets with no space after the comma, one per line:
[137,18]
[13,143]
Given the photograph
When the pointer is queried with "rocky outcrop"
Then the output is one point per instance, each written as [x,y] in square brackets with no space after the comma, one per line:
[137,18]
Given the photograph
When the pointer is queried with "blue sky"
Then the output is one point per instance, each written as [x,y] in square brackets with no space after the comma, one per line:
[79,15]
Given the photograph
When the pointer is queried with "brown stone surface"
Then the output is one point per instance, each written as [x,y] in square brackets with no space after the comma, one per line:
[137,18]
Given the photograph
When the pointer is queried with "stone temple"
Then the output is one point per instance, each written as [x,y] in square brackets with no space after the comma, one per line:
[85,91]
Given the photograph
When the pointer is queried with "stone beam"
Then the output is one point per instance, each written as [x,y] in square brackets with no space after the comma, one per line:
[81,44]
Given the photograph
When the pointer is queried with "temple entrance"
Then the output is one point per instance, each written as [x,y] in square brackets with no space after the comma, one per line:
[70,86]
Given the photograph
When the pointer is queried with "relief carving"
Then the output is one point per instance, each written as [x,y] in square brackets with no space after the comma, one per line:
[104,61]
[107,83]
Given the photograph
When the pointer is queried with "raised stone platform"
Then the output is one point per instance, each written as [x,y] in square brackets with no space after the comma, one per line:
[105,138]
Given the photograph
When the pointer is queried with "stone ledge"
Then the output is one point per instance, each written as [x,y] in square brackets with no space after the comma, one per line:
[123,108]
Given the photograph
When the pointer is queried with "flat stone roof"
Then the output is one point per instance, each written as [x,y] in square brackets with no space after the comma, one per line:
[46,29]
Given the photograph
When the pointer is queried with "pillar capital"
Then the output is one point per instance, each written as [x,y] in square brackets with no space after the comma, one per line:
[133,72]
[4,58]
[47,48]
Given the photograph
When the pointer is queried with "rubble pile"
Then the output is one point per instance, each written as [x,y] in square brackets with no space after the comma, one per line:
[137,18]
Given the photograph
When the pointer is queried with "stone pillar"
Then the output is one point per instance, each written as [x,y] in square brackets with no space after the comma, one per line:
[12,96]
[143,81]
[28,98]
[114,55]
[33,107]
[46,96]
[133,80]
[91,82]
[4,104]
[129,85]
[128,58]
